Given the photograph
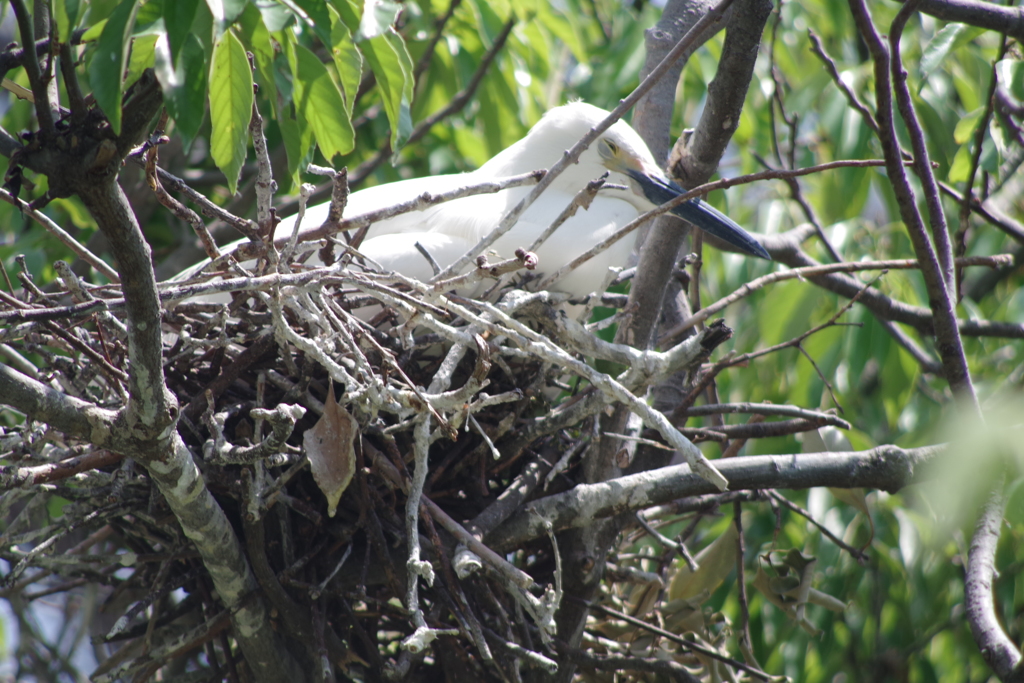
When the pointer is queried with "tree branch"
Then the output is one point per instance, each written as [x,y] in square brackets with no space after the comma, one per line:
[887,467]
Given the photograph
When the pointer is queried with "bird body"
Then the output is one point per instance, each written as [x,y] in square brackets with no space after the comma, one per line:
[446,231]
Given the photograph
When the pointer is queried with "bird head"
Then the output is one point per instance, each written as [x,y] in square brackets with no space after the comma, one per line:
[621,151]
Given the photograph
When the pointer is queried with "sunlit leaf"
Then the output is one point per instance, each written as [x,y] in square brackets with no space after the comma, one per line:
[142,58]
[256,38]
[319,101]
[230,106]
[392,78]
[347,59]
[378,17]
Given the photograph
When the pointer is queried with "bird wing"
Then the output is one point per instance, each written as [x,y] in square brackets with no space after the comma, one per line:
[397,252]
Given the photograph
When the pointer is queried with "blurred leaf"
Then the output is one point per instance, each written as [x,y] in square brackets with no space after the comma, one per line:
[965,127]
[178,18]
[109,61]
[230,106]
[142,58]
[224,13]
[185,86]
[713,564]
[378,17]
[298,142]
[150,19]
[938,47]
[1011,75]
[65,15]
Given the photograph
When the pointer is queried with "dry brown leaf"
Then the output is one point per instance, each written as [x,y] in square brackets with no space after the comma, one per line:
[330,448]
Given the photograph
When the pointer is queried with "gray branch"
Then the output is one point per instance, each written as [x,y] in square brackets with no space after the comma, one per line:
[887,467]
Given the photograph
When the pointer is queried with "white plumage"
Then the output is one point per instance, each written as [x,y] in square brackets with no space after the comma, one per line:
[448,230]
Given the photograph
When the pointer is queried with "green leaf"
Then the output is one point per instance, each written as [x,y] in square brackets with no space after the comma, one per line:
[256,38]
[142,57]
[224,12]
[1011,75]
[275,17]
[938,47]
[961,166]
[349,13]
[965,127]
[387,66]
[320,20]
[150,19]
[347,59]
[95,32]
[298,144]
[109,61]
[178,18]
[230,106]
[378,17]
[184,85]
[319,101]
[65,14]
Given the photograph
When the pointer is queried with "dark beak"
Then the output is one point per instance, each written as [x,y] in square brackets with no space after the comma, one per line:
[703,215]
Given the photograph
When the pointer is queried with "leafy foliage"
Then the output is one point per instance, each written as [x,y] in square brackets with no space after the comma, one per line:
[344,84]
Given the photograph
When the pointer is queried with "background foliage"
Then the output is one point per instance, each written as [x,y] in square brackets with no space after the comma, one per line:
[340,86]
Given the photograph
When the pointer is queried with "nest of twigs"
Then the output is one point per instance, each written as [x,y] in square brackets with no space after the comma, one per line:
[319,402]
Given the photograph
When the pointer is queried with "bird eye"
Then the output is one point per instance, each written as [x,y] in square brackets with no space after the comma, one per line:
[612,146]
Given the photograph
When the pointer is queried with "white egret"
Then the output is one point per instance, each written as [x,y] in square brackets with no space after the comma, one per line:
[446,231]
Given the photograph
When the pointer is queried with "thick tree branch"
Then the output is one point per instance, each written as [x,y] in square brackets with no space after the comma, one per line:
[887,467]
[995,17]
[1001,653]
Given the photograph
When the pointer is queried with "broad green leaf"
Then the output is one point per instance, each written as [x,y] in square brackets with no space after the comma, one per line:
[256,38]
[378,17]
[965,128]
[232,9]
[108,64]
[65,14]
[1011,75]
[938,47]
[405,59]
[387,66]
[349,13]
[142,57]
[150,18]
[184,85]
[347,59]
[230,106]
[961,167]
[224,12]
[275,17]
[319,20]
[95,31]
[178,18]
[319,101]
[298,144]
